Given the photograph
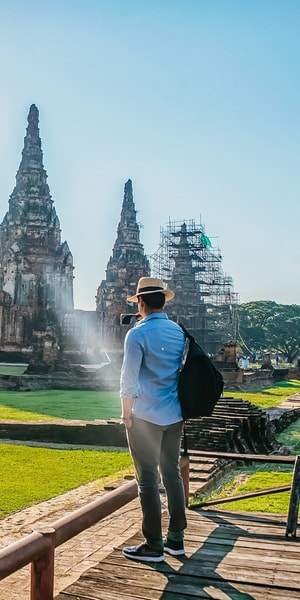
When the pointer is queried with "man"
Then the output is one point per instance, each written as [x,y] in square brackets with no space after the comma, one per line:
[151,412]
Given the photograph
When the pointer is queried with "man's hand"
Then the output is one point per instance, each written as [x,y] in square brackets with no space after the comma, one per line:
[127,422]
[126,418]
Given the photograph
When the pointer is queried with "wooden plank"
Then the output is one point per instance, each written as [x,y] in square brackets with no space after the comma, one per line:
[246,529]
[178,588]
[235,568]
[271,458]
[155,577]
[177,591]
[219,592]
[202,564]
[239,531]
[240,556]
[265,548]
[257,517]
[240,519]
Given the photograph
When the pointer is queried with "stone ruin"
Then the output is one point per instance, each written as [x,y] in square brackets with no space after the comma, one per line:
[36,267]
[38,322]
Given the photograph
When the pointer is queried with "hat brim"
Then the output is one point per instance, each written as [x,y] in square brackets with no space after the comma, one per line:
[169,295]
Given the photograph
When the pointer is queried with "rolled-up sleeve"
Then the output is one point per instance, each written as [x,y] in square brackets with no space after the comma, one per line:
[133,355]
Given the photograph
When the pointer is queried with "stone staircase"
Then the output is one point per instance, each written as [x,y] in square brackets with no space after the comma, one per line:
[235,425]
[204,471]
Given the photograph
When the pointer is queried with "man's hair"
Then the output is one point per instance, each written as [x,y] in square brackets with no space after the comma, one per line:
[153,300]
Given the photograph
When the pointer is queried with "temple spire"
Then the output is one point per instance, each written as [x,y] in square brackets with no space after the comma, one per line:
[128,212]
[128,194]
[33,119]
[128,232]
[31,187]
[32,155]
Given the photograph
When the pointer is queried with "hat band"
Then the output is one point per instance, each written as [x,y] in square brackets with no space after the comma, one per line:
[151,288]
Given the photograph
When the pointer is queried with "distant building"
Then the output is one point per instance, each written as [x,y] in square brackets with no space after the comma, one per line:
[205,300]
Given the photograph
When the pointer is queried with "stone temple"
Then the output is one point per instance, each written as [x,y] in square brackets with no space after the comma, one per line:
[205,302]
[38,322]
[36,267]
[126,265]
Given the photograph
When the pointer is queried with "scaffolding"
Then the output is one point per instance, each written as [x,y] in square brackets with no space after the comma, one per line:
[189,264]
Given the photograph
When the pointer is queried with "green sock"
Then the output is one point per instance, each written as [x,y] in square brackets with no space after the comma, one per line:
[175,536]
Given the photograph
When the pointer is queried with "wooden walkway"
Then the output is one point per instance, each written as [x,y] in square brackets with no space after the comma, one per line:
[229,556]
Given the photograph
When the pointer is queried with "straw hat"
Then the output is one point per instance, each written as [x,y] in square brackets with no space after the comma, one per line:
[150,285]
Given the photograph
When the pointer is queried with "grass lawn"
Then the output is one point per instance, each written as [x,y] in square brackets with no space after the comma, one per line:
[12,369]
[290,437]
[42,473]
[59,404]
[248,479]
[269,396]
[87,406]
[31,475]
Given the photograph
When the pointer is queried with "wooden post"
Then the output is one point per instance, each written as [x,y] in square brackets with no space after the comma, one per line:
[294,501]
[42,570]
[185,474]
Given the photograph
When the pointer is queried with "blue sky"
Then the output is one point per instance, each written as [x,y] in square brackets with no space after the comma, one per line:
[197,101]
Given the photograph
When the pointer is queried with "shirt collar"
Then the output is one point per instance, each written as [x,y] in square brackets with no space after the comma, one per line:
[161,315]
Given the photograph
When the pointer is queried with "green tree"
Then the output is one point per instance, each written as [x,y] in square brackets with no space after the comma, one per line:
[267,326]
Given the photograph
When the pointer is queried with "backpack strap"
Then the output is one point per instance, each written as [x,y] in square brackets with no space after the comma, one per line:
[186,332]
[190,336]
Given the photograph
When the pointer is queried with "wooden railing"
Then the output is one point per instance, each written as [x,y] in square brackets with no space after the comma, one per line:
[38,548]
[292,517]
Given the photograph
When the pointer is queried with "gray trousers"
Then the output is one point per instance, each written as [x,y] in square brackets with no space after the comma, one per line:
[152,446]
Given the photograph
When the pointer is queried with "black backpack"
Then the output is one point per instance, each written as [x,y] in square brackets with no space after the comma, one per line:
[200,383]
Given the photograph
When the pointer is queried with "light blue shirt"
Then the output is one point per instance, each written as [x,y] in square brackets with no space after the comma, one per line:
[153,352]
